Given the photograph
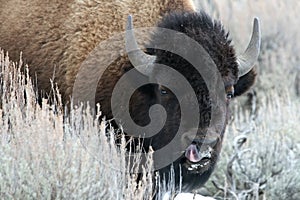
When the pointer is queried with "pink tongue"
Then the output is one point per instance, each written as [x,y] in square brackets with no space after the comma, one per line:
[192,153]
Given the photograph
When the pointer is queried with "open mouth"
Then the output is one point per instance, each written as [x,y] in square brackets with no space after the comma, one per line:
[197,160]
[203,163]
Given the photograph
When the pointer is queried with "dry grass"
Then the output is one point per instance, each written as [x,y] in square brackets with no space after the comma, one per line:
[260,157]
[44,155]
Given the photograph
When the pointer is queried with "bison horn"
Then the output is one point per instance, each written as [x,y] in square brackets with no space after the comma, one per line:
[139,59]
[247,60]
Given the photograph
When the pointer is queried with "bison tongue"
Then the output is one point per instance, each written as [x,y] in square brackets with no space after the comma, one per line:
[192,153]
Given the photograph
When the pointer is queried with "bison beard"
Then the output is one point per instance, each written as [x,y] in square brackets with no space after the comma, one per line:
[194,167]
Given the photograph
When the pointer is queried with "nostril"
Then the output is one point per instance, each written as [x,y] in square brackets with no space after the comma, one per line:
[194,142]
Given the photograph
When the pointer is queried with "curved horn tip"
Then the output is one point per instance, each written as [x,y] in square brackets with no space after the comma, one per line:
[129,25]
[256,25]
[247,60]
[139,59]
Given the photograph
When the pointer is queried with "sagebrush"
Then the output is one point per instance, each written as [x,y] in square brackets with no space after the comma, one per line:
[46,155]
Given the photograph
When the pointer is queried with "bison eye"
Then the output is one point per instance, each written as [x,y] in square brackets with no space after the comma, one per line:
[163,92]
[229,92]
[229,95]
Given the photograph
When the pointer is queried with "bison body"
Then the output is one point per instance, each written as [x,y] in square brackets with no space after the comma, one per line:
[57,37]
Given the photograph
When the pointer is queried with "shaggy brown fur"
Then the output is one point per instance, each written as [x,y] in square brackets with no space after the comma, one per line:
[57,36]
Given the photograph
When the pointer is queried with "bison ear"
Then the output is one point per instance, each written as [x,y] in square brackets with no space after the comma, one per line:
[245,82]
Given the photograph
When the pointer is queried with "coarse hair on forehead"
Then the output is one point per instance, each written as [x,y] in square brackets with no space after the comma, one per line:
[209,33]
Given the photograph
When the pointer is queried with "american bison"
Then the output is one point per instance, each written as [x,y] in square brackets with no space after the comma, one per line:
[56,37]
[197,162]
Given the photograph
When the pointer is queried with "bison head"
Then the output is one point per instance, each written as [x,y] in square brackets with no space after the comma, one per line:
[197,161]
